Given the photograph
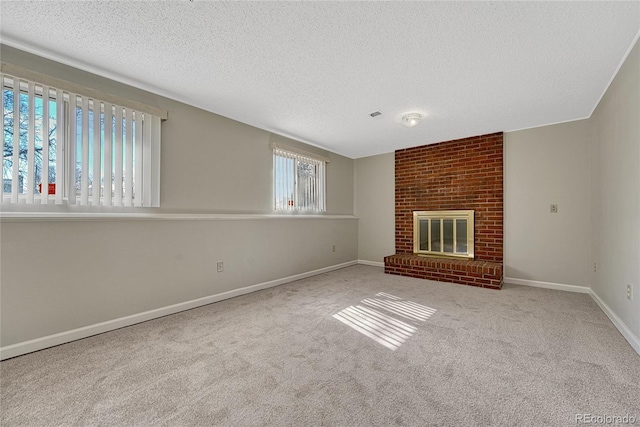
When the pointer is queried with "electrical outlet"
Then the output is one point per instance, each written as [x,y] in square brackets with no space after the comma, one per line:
[595,267]
[333,249]
[220,266]
[629,293]
[553,208]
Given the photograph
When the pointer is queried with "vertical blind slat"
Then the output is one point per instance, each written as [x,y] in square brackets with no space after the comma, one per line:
[44,181]
[155,161]
[321,182]
[117,196]
[84,177]
[276,189]
[293,185]
[97,156]
[321,185]
[287,195]
[128,172]
[310,179]
[284,163]
[308,191]
[60,151]
[73,145]
[290,196]
[279,190]
[31,143]
[317,184]
[108,132]
[283,193]
[15,164]
[283,183]
[137,177]
[287,179]
[146,158]
[284,168]
[4,164]
[311,201]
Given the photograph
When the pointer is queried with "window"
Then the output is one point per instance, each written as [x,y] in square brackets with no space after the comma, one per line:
[62,147]
[299,181]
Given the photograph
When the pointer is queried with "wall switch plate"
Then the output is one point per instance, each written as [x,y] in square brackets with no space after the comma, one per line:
[220,266]
[629,293]
[553,208]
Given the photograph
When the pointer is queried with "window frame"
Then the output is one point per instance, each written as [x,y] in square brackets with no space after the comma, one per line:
[147,169]
[318,192]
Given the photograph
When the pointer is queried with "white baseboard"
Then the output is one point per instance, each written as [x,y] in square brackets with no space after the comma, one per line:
[98,328]
[371,263]
[548,285]
[618,323]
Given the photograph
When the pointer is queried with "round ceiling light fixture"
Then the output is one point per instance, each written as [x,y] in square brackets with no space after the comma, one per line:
[411,120]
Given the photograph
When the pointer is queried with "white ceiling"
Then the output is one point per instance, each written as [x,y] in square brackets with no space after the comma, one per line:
[314,71]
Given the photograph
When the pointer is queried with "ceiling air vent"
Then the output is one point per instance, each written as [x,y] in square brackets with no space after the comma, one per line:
[375,114]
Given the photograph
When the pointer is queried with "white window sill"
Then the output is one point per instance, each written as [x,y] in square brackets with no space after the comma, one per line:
[128,216]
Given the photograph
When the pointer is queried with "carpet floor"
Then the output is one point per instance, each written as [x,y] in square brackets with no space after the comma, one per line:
[352,347]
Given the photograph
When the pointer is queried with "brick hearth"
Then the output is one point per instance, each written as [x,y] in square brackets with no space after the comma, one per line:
[484,274]
[454,175]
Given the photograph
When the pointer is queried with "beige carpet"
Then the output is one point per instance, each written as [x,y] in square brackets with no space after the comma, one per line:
[347,348]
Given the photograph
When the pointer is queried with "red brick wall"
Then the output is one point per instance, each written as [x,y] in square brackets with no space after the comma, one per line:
[460,174]
[474,273]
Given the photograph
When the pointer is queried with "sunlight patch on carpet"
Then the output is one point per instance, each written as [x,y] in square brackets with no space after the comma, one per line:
[375,318]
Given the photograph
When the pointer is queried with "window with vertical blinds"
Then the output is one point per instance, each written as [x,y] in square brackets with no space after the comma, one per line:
[62,147]
[299,182]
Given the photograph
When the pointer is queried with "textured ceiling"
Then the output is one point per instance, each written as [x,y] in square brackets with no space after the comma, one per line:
[314,71]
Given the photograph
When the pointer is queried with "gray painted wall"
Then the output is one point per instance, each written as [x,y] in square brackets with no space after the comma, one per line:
[58,276]
[546,165]
[62,275]
[615,193]
[375,206]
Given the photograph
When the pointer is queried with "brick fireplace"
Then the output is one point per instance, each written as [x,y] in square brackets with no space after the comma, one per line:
[464,174]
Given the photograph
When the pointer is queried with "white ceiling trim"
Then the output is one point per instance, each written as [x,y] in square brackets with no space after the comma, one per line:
[622,61]
[547,124]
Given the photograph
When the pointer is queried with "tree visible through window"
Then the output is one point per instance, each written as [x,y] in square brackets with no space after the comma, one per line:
[22,114]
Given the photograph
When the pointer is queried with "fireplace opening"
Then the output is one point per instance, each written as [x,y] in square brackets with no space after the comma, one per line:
[444,233]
